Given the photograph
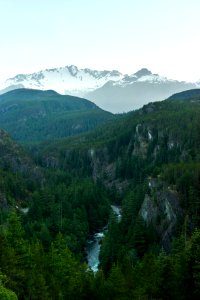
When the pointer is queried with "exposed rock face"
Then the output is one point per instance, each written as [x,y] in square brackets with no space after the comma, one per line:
[51,162]
[141,142]
[105,170]
[161,208]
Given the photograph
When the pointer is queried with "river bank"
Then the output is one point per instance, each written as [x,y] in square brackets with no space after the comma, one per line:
[94,244]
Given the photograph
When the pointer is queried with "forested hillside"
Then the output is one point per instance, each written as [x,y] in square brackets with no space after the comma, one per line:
[34,115]
[54,197]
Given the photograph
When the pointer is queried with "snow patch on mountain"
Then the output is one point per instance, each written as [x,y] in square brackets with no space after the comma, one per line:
[64,80]
[143,75]
[110,90]
[74,81]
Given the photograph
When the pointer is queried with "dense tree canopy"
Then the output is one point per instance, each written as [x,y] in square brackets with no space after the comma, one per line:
[54,197]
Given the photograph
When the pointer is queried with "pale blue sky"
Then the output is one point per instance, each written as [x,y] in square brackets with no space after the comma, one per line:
[162,35]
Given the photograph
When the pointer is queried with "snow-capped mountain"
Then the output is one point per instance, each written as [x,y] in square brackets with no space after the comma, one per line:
[133,91]
[66,80]
[111,90]
[143,75]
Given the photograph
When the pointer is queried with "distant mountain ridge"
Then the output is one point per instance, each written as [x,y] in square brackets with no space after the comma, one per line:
[64,80]
[110,90]
[35,115]
[186,95]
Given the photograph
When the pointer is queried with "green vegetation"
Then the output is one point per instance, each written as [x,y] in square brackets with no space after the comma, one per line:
[54,197]
[34,115]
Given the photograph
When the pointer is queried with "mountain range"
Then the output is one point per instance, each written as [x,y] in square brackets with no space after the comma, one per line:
[110,90]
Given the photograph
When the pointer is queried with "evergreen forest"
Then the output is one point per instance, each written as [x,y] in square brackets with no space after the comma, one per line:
[60,172]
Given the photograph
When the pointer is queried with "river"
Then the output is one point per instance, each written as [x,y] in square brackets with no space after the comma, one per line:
[94,245]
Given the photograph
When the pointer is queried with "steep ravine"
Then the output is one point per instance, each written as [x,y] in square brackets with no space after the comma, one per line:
[160,208]
[94,245]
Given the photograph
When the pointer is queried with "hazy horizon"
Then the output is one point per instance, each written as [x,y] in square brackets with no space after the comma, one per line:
[123,35]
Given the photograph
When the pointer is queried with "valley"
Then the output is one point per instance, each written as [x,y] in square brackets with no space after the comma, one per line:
[94,244]
[108,211]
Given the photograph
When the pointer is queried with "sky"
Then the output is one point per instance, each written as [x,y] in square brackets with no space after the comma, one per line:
[124,35]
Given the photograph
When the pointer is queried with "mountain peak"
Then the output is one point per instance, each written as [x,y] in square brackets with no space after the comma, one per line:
[142,72]
[73,70]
